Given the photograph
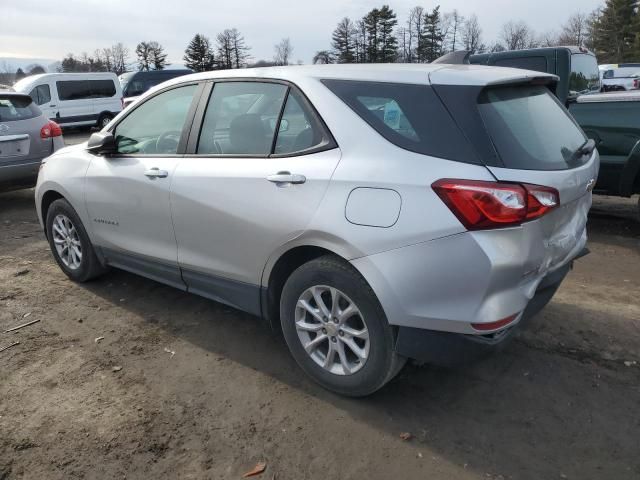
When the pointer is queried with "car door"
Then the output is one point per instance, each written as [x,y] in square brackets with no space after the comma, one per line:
[127,193]
[244,191]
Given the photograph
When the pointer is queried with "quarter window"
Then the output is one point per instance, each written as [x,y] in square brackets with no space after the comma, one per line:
[300,130]
[155,127]
[241,118]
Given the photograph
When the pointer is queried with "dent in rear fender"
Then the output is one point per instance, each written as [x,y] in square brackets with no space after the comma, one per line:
[447,283]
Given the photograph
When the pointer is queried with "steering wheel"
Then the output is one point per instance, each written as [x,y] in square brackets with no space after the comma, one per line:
[168,142]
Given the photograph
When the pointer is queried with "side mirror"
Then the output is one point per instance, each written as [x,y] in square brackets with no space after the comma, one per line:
[284,125]
[101,143]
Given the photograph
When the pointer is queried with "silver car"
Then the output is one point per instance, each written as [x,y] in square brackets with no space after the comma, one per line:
[373,212]
[26,137]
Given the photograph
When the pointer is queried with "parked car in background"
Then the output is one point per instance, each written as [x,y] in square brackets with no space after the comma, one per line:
[26,137]
[621,77]
[135,84]
[375,212]
[612,120]
[577,67]
[75,99]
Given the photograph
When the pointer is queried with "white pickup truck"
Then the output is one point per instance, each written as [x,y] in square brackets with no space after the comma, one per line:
[620,77]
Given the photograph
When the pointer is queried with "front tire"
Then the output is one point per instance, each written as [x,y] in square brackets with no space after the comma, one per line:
[336,329]
[70,243]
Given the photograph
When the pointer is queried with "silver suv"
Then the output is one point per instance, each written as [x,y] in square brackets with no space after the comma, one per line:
[26,137]
[375,212]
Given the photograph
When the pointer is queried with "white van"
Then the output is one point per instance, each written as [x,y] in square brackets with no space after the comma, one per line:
[75,99]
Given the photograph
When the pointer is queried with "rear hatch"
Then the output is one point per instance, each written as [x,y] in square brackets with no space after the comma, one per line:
[524,135]
[20,124]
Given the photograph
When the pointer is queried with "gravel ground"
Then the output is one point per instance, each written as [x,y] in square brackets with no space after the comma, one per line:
[182,387]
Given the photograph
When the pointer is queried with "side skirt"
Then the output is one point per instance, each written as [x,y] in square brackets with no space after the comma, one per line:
[239,295]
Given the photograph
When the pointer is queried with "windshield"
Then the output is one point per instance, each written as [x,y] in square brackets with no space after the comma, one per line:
[530,129]
[585,76]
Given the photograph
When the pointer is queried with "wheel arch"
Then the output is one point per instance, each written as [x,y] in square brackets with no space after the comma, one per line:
[279,271]
[48,198]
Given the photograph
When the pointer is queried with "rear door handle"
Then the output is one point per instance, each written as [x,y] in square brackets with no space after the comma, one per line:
[156,173]
[284,178]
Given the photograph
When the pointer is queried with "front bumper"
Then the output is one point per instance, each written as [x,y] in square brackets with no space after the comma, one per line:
[453,349]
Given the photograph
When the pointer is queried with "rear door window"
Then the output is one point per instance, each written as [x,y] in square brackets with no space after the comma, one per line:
[13,108]
[409,116]
[530,129]
[241,118]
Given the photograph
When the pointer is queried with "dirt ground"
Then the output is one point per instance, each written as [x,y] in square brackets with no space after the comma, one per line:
[207,392]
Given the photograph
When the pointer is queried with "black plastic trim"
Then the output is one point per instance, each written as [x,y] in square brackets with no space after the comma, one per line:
[240,295]
[455,349]
[146,267]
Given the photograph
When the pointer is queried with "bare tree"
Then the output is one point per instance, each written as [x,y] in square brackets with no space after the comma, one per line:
[575,31]
[456,22]
[472,34]
[120,56]
[415,33]
[518,36]
[283,51]
[548,39]
[404,44]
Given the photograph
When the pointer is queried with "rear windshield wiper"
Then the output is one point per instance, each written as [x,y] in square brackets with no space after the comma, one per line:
[586,148]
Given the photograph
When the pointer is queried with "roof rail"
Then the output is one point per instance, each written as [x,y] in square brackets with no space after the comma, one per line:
[459,57]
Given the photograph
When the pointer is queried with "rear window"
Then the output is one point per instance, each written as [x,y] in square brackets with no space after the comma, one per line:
[539,64]
[585,76]
[530,129]
[409,116]
[14,108]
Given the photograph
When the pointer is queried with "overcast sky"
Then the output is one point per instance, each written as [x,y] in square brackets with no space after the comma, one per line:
[51,29]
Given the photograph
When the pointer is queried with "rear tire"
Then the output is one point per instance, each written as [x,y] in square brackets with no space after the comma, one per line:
[70,243]
[355,335]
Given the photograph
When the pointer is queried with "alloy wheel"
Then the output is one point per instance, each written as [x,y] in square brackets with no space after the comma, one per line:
[332,330]
[67,242]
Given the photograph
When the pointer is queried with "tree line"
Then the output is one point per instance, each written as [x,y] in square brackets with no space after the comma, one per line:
[611,31]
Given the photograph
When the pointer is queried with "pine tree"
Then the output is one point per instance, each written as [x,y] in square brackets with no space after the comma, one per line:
[343,41]
[371,23]
[157,57]
[381,45]
[615,30]
[143,51]
[432,39]
[199,56]
[388,48]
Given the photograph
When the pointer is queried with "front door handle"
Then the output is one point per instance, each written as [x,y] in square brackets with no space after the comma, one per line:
[156,173]
[287,178]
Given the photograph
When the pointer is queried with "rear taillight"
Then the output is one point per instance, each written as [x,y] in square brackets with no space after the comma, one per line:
[51,129]
[481,205]
[636,83]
